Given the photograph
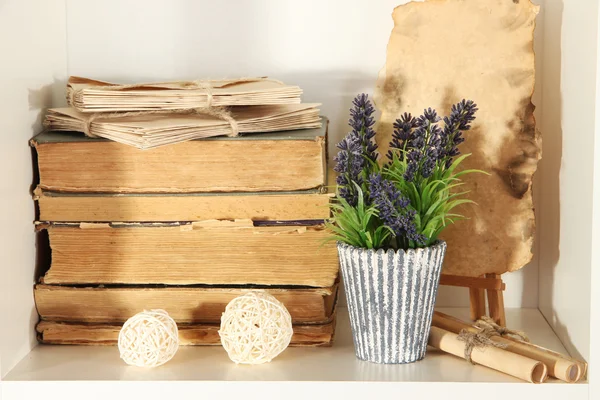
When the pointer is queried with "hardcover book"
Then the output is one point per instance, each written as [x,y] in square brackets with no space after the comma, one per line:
[205,252]
[280,161]
[189,334]
[269,206]
[185,304]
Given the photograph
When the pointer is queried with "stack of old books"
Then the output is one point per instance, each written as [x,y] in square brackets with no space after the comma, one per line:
[207,213]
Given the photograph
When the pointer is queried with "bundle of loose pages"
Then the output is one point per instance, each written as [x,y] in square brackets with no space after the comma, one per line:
[149,115]
[146,131]
[87,95]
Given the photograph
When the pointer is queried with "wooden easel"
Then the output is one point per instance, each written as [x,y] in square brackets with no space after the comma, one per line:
[478,286]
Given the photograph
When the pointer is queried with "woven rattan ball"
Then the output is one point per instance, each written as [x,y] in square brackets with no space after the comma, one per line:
[255,328]
[148,339]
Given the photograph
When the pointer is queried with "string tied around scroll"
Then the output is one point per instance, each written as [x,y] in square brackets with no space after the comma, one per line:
[487,328]
[488,323]
[479,339]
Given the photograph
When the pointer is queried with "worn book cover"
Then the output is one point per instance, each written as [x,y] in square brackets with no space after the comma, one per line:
[281,161]
[204,252]
[189,334]
[275,207]
[185,304]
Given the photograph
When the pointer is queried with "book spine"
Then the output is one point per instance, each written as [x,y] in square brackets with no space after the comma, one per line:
[184,304]
[261,208]
[193,334]
[186,254]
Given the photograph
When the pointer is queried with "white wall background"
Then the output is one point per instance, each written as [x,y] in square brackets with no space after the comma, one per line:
[332,49]
[32,73]
[569,122]
[594,375]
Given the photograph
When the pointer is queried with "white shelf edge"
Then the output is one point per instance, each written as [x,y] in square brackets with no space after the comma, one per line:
[289,390]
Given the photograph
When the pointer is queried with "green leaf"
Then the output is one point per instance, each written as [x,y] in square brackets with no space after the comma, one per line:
[456,163]
[470,171]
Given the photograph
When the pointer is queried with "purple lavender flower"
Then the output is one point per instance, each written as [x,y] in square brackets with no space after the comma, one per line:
[431,150]
[425,145]
[418,137]
[413,159]
[350,164]
[435,136]
[362,121]
[461,116]
[426,130]
[429,117]
[429,161]
[393,209]
[403,128]
[357,149]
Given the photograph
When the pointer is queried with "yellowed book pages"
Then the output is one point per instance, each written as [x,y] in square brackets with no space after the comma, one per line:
[282,161]
[148,131]
[184,304]
[211,252]
[442,51]
[89,95]
[272,206]
[194,334]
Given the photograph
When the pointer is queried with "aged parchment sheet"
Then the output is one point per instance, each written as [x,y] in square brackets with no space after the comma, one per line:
[441,51]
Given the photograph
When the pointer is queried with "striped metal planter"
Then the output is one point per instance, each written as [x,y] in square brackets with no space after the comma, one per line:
[391,295]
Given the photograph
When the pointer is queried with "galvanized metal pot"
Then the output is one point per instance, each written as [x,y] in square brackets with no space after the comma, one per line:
[391,295]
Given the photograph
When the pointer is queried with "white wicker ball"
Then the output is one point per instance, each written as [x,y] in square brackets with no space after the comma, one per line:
[148,339]
[255,328]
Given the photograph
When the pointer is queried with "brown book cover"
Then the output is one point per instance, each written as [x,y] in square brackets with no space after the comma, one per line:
[184,304]
[192,334]
[205,252]
[279,161]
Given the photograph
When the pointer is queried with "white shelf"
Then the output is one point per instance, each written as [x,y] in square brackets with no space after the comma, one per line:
[296,365]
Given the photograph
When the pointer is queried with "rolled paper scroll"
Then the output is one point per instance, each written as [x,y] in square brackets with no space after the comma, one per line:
[501,360]
[559,366]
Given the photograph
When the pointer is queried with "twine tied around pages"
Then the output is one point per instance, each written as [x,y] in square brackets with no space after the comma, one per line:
[488,328]
[218,112]
[205,85]
[206,109]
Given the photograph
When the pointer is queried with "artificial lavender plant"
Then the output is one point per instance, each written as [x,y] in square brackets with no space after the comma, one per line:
[407,201]
[358,152]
